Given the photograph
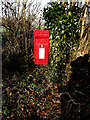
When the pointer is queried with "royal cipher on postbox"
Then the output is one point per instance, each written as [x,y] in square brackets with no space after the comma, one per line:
[41,46]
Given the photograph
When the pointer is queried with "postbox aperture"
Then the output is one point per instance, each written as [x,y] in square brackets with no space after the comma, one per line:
[41,46]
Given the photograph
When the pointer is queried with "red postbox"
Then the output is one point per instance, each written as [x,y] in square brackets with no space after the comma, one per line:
[41,46]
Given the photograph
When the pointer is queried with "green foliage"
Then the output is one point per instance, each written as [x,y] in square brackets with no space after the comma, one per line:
[64,34]
[35,93]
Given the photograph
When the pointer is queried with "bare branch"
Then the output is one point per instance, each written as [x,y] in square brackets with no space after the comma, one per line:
[70,98]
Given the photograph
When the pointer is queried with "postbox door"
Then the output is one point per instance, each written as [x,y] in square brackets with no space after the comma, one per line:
[41,50]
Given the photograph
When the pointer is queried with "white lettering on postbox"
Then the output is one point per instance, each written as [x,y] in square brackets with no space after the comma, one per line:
[41,53]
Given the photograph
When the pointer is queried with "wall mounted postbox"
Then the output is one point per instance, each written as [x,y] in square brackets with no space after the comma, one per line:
[41,46]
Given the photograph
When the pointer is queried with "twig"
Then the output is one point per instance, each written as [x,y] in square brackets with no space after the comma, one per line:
[70,98]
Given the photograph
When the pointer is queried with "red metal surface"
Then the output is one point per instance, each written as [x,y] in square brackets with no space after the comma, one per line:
[41,40]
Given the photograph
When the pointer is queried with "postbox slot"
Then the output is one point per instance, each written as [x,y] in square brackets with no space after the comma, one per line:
[41,44]
[41,37]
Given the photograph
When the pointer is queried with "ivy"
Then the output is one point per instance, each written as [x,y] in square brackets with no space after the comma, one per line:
[64,34]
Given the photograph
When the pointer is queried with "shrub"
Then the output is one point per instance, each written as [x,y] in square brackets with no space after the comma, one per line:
[62,21]
[78,88]
[19,21]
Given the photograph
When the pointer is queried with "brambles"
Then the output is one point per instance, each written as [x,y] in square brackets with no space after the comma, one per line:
[78,88]
[19,21]
[37,91]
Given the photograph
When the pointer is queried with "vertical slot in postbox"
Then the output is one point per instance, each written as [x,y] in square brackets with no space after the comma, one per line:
[41,46]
